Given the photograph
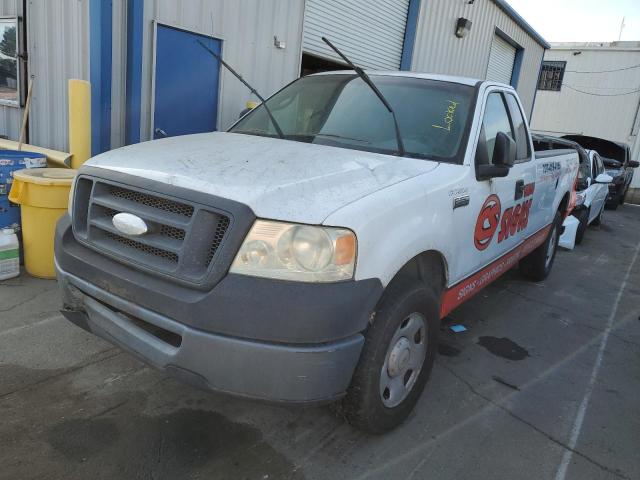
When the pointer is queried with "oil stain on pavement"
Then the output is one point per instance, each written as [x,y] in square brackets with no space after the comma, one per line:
[503,347]
[181,444]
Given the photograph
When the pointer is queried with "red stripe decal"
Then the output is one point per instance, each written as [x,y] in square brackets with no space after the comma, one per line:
[467,288]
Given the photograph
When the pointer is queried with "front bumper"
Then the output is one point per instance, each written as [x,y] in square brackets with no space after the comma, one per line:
[275,361]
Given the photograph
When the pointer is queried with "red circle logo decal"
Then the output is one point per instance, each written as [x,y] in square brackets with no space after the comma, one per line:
[487,223]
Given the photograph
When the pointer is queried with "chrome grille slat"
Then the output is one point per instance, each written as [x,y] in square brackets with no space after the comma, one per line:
[156,252]
[147,213]
[154,240]
[183,237]
[134,196]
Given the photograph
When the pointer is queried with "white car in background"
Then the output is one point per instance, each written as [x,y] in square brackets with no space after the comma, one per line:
[591,188]
[591,193]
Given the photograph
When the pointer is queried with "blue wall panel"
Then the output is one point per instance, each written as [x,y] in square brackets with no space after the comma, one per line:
[135,29]
[100,52]
[410,34]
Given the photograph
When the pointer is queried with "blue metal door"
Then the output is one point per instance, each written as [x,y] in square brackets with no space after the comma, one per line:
[186,83]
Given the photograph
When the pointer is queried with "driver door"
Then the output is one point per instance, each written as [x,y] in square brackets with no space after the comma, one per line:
[498,217]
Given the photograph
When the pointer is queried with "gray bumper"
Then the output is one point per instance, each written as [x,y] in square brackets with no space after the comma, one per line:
[274,372]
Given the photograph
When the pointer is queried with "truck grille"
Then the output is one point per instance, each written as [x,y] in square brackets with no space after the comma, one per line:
[183,237]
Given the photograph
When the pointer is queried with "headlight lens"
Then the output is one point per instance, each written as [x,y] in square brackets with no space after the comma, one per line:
[301,253]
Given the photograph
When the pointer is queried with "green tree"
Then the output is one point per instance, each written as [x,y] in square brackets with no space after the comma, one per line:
[8,43]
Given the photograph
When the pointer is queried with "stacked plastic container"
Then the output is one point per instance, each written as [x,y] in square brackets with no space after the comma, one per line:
[9,254]
[10,162]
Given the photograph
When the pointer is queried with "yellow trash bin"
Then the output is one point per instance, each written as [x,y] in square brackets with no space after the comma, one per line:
[43,195]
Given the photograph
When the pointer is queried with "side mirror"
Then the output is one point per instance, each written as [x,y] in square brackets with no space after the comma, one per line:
[583,184]
[485,172]
[504,152]
[604,178]
[634,164]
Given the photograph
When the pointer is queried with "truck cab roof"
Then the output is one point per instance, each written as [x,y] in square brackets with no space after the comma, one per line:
[472,82]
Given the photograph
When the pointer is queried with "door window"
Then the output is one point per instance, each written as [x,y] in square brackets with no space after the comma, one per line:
[599,165]
[496,119]
[520,128]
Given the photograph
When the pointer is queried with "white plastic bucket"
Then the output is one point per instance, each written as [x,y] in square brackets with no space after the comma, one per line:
[9,254]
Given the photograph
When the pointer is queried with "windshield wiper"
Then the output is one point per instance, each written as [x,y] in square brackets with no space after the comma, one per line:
[312,136]
[251,89]
[258,133]
[361,73]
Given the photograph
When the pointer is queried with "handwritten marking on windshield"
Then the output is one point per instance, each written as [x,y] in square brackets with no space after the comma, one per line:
[449,116]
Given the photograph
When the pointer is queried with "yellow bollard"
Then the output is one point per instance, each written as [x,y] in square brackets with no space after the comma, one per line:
[79,122]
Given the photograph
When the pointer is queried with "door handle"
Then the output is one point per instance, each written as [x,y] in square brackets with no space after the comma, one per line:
[160,132]
[519,189]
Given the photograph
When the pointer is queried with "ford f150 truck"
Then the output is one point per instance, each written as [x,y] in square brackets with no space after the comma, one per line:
[308,254]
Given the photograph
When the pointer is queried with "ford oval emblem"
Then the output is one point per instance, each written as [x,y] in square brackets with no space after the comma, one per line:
[129,224]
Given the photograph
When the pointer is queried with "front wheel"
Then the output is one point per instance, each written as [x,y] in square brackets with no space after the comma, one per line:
[537,265]
[397,358]
[623,196]
[582,228]
[598,220]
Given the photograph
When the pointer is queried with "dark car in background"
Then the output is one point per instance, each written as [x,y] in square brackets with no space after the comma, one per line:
[618,163]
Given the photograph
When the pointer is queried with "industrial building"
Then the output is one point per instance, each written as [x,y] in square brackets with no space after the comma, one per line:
[151,77]
[592,89]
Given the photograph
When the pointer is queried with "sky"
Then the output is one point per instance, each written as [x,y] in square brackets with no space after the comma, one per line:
[581,20]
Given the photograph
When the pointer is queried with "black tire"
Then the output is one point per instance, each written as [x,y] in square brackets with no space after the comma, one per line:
[363,405]
[612,204]
[623,196]
[598,220]
[582,228]
[537,265]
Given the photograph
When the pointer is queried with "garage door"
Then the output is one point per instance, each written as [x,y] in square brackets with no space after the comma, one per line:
[501,60]
[371,33]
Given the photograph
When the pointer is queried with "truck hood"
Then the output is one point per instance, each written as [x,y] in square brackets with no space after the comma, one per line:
[277,179]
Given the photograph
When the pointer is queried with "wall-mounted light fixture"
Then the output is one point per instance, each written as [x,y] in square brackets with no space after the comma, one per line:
[279,43]
[463,27]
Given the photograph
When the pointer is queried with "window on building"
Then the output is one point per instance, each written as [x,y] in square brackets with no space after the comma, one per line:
[9,82]
[551,76]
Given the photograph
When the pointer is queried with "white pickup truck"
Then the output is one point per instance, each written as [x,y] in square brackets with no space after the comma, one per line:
[312,261]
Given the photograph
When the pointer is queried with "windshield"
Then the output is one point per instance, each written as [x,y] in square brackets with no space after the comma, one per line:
[341,110]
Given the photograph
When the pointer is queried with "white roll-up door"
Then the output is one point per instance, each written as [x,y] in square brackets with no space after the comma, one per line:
[370,33]
[501,60]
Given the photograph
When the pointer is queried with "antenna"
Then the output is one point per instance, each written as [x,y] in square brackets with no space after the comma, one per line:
[622,25]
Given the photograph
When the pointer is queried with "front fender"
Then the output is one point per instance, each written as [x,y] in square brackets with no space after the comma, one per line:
[393,226]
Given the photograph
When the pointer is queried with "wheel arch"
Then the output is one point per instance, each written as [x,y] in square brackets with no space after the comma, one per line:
[564,204]
[429,267]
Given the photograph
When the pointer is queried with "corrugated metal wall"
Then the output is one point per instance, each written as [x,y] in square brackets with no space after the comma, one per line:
[119,73]
[10,117]
[247,28]
[611,117]
[372,37]
[502,58]
[58,46]
[438,50]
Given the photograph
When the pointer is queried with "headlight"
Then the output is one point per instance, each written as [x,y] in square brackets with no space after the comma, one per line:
[580,198]
[300,253]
